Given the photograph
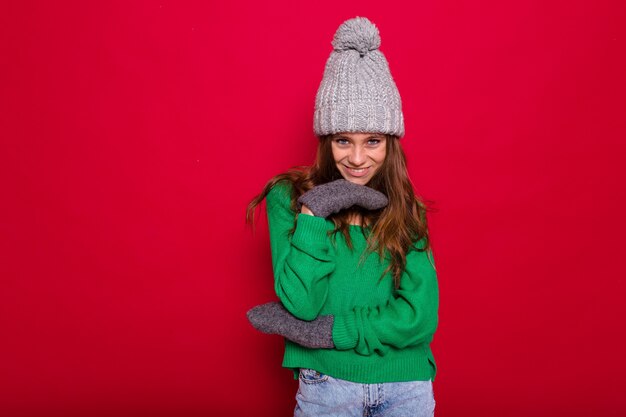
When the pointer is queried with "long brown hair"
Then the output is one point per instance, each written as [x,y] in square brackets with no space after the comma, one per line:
[394,229]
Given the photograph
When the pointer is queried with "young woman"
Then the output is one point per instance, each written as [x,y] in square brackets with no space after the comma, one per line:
[351,256]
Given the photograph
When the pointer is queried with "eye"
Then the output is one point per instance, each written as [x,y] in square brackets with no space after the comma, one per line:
[341,141]
[374,141]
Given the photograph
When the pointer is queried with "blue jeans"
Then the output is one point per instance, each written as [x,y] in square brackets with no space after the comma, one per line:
[322,395]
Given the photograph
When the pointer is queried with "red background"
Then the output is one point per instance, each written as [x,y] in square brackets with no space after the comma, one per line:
[134,135]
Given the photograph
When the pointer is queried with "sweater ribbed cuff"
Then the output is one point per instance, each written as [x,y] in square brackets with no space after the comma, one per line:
[344,332]
[310,228]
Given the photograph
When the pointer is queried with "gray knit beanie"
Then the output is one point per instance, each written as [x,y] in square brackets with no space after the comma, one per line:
[357,92]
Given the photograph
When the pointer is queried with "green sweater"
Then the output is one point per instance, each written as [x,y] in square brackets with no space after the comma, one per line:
[380,334]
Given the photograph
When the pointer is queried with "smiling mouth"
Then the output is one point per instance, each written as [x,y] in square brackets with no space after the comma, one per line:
[357,171]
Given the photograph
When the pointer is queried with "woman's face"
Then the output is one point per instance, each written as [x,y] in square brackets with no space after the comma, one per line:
[359,155]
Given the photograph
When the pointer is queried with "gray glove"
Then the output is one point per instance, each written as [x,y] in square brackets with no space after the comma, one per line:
[273,318]
[334,196]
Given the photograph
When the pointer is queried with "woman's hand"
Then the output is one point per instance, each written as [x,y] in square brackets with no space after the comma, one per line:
[306,210]
[332,197]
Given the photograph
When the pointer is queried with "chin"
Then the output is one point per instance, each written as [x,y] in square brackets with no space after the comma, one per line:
[360,181]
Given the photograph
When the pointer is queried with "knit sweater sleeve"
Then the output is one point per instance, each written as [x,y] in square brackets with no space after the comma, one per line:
[409,318]
[303,262]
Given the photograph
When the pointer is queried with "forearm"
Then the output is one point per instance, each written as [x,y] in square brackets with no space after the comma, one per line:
[409,318]
[303,263]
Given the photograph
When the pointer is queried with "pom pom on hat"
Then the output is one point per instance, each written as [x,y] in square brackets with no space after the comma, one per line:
[358,33]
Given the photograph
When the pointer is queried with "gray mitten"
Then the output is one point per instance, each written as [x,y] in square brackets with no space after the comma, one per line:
[273,318]
[332,197]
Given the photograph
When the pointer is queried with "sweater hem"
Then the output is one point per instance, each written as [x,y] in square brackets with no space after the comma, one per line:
[408,364]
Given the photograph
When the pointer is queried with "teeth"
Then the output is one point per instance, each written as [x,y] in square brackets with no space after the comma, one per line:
[357,170]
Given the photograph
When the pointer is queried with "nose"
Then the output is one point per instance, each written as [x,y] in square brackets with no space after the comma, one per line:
[357,156]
